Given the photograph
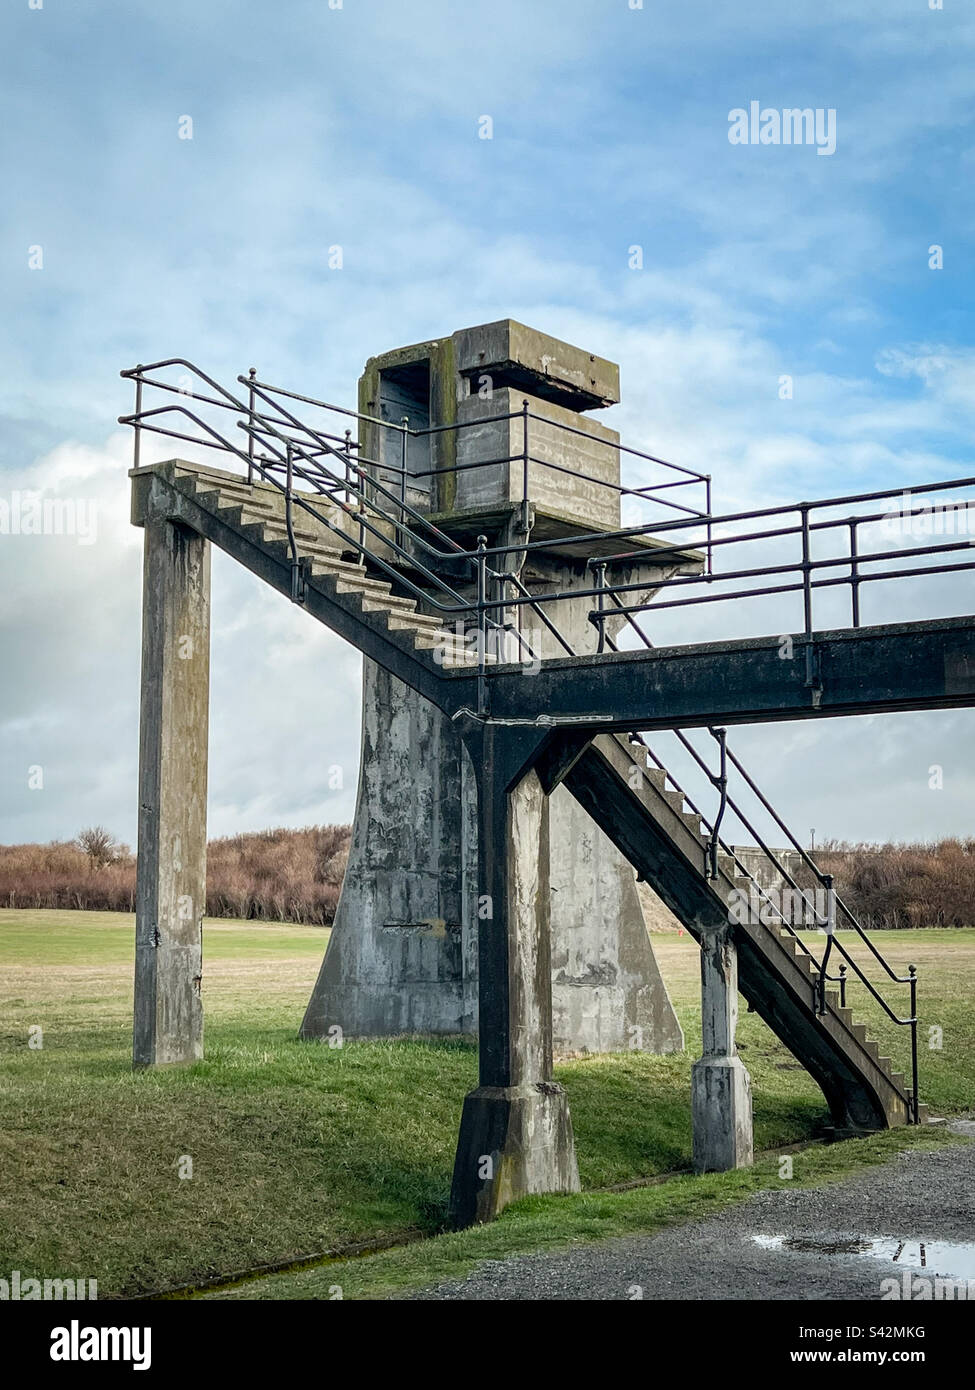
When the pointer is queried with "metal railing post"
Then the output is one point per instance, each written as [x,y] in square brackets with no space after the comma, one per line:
[707,504]
[525,456]
[854,572]
[721,782]
[812,683]
[600,600]
[405,436]
[297,585]
[252,373]
[829,928]
[912,971]
[806,569]
[348,467]
[137,443]
[481,625]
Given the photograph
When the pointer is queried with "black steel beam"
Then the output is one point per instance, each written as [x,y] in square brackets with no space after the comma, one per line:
[867,670]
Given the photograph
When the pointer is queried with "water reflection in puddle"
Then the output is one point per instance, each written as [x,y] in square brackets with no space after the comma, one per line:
[956,1259]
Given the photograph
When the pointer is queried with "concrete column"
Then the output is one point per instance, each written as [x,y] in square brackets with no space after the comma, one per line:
[516,1134]
[171,883]
[721,1096]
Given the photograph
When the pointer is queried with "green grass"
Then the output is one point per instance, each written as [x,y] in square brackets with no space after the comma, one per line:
[299,1148]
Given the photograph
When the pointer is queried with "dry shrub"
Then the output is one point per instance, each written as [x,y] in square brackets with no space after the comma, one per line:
[269,875]
[892,886]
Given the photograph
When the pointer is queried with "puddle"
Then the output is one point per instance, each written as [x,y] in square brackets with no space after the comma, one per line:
[955,1259]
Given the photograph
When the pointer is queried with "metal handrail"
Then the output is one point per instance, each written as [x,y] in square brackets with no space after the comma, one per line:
[810,573]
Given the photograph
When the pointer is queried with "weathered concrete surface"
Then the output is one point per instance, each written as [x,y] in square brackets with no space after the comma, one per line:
[566,494]
[607,991]
[516,1134]
[864,670]
[514,354]
[171,892]
[721,1099]
[404,927]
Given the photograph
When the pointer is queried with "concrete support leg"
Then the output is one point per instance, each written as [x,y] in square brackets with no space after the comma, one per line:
[171,884]
[516,1134]
[721,1095]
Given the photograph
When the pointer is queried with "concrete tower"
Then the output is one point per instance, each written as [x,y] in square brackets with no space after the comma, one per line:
[403,952]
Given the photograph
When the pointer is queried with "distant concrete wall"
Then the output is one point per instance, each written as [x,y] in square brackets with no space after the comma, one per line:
[761,868]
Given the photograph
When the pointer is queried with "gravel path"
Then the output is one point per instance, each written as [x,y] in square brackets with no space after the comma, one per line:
[917,1197]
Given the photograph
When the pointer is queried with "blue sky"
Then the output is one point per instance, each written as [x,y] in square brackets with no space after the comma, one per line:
[358,126]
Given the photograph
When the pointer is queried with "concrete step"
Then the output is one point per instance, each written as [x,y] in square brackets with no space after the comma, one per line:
[307,538]
[656,776]
[464,655]
[693,821]
[383,603]
[416,622]
[637,751]
[308,546]
[303,519]
[676,799]
[344,571]
[224,500]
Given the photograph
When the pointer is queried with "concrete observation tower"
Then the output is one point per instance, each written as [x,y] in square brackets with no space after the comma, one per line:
[403,952]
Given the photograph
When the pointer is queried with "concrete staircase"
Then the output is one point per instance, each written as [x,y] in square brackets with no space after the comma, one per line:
[331,562]
[629,798]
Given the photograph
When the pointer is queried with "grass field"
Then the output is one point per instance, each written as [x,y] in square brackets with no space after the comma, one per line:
[298,1148]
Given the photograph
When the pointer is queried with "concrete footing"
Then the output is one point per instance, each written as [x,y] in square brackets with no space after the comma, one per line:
[513,1140]
[171,891]
[721,1099]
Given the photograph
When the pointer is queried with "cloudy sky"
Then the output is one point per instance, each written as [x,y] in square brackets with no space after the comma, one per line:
[316,125]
